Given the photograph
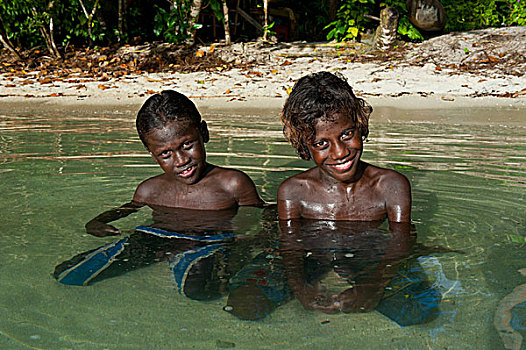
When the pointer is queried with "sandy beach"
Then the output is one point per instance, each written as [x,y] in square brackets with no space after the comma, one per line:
[430,78]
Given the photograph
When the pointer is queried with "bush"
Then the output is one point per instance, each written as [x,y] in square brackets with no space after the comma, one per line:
[462,16]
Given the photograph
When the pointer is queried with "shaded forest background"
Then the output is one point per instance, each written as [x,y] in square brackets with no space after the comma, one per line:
[56,27]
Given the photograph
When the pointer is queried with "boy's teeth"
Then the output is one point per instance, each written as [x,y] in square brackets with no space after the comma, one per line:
[342,166]
[187,171]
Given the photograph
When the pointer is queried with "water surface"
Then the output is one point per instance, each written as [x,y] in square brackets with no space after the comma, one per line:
[58,170]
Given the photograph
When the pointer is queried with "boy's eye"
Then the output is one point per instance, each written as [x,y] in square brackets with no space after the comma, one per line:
[348,134]
[188,144]
[165,154]
[319,144]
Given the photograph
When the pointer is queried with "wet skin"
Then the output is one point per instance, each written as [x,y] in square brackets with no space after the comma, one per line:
[341,186]
[188,180]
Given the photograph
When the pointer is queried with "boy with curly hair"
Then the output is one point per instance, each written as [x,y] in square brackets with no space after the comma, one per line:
[327,123]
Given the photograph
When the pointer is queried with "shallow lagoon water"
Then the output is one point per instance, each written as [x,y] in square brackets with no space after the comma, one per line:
[59,170]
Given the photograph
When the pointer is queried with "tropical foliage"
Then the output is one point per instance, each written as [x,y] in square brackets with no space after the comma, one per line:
[53,25]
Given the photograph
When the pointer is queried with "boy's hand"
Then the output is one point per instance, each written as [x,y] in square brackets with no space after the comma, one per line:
[100,229]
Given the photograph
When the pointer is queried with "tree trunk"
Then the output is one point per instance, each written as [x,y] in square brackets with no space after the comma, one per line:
[265,13]
[121,24]
[226,22]
[333,9]
[194,14]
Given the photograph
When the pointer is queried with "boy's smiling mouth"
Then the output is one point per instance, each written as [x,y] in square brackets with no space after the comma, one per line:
[188,171]
[341,167]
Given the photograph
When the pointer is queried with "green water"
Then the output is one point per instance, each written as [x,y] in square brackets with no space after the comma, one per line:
[57,171]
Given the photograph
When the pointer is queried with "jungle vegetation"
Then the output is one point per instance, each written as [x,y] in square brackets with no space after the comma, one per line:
[53,26]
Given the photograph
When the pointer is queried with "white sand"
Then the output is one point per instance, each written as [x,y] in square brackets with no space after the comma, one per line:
[386,84]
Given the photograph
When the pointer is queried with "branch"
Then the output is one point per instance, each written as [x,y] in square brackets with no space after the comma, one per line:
[53,45]
[7,45]
[6,42]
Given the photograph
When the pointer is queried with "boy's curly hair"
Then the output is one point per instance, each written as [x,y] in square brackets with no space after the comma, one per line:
[320,95]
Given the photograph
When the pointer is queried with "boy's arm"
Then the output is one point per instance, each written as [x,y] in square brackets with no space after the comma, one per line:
[397,192]
[98,226]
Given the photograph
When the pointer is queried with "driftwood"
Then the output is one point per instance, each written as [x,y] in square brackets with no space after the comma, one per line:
[385,36]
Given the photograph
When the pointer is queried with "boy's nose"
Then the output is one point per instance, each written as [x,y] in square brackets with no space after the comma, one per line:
[339,150]
[180,159]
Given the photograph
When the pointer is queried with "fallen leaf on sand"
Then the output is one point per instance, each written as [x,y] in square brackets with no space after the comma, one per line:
[154,80]
[228,91]
[103,87]
[518,93]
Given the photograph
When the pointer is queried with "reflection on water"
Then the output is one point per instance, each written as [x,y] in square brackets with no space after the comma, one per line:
[57,172]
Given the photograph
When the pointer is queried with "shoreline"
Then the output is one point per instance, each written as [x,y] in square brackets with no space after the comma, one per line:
[431,77]
[494,111]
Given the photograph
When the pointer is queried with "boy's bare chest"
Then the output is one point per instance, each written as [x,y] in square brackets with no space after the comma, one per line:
[195,197]
[357,204]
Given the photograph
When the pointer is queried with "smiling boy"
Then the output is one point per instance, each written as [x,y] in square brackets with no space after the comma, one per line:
[327,123]
[170,127]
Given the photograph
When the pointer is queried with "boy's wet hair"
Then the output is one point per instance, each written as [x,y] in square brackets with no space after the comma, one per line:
[160,109]
[320,95]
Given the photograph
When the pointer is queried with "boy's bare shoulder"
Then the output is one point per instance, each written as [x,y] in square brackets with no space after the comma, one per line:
[228,176]
[238,184]
[148,189]
[387,179]
[296,184]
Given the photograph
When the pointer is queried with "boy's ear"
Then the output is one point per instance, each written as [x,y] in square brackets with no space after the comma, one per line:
[203,128]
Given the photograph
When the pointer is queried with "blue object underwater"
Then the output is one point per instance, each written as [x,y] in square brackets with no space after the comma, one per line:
[94,263]
[167,234]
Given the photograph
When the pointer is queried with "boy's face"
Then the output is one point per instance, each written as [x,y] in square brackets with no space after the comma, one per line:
[337,147]
[179,148]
